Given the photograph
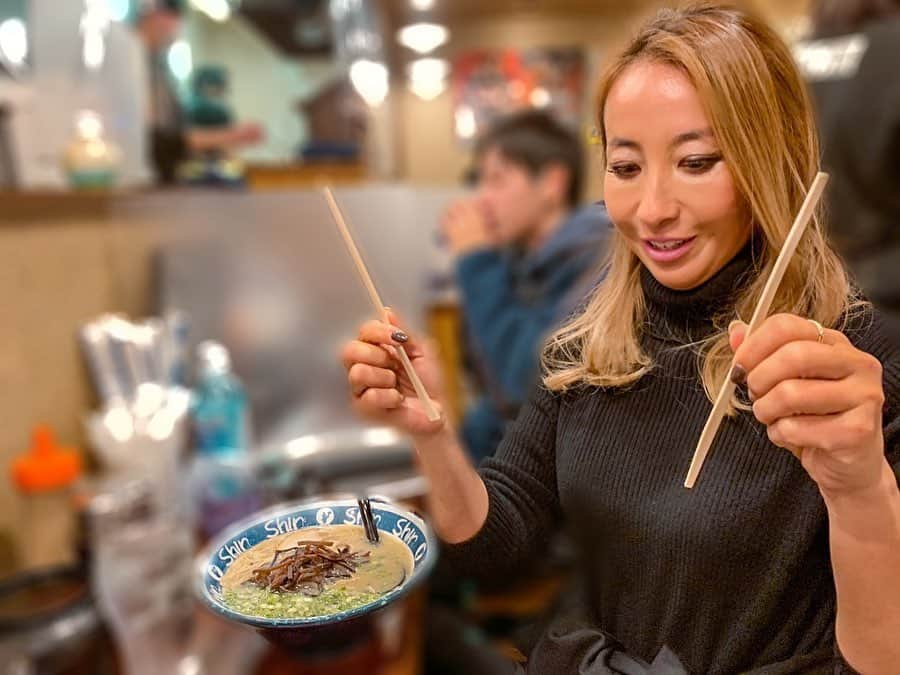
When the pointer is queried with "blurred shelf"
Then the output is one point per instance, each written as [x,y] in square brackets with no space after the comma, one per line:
[18,206]
[284,176]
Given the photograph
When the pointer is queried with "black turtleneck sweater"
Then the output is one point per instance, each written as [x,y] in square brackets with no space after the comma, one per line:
[731,576]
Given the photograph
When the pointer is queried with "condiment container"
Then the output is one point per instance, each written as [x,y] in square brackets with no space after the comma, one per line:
[44,475]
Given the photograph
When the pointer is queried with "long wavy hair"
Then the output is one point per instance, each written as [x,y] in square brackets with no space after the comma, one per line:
[761,116]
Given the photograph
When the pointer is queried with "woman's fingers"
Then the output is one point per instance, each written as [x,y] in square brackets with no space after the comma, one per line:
[377,345]
[380,333]
[790,398]
[818,396]
[777,331]
[377,401]
[380,383]
[413,346]
[737,331]
[363,376]
[800,359]
[364,352]
[830,433]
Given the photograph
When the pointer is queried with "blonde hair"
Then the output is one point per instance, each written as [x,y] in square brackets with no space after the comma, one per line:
[761,116]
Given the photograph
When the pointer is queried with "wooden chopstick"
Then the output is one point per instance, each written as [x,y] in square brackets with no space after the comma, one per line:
[759,315]
[430,411]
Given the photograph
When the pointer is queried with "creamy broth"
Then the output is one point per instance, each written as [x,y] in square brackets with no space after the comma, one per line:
[389,563]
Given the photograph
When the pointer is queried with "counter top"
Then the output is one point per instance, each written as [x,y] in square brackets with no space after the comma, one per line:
[32,205]
[19,206]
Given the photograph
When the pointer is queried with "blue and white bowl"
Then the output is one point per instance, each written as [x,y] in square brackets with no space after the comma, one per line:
[335,628]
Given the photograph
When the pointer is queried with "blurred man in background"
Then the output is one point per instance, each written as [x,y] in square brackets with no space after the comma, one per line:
[524,256]
[157,23]
[172,138]
[851,65]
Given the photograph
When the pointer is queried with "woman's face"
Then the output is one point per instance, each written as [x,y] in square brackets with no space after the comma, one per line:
[666,185]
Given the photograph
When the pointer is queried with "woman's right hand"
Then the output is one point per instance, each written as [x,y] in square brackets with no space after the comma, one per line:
[381,390]
[458,499]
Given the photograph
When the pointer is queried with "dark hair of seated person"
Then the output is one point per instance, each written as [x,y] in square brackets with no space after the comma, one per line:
[536,140]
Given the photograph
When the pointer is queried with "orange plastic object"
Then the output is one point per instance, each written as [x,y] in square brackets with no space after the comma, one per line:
[45,466]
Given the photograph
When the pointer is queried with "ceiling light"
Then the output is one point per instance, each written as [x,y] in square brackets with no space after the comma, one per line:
[423,37]
[180,59]
[217,10]
[428,69]
[94,24]
[14,41]
[370,79]
[428,77]
[94,51]
[427,90]
[422,5]
[465,122]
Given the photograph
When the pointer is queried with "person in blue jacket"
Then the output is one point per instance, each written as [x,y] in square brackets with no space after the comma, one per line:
[525,254]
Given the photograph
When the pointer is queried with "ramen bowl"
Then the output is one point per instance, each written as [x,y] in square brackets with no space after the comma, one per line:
[339,628]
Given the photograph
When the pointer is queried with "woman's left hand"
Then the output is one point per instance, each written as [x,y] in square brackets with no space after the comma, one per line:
[822,401]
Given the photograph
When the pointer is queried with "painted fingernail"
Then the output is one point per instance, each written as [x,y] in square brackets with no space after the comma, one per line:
[399,336]
[738,374]
[733,324]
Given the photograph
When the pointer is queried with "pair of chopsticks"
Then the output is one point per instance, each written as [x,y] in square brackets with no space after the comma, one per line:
[759,315]
[430,411]
[711,427]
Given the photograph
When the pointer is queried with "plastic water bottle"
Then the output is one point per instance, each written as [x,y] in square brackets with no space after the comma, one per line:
[220,413]
[222,479]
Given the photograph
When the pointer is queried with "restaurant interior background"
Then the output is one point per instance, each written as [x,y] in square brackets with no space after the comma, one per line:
[379,99]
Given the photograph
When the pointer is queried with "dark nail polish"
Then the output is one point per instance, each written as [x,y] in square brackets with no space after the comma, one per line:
[399,336]
[738,374]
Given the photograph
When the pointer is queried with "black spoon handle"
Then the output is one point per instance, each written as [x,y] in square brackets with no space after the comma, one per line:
[365,511]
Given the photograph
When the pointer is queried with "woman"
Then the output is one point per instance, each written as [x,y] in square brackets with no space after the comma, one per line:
[778,561]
